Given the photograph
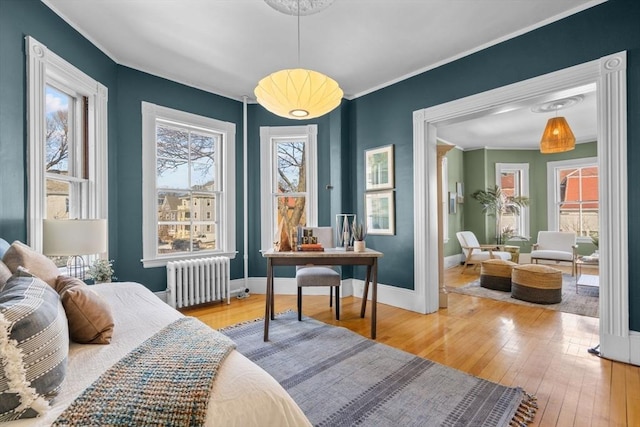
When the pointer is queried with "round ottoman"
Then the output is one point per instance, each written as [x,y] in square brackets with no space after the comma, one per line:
[496,274]
[536,283]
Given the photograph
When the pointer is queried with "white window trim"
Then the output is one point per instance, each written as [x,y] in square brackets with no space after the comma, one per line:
[42,65]
[525,225]
[553,220]
[151,112]
[267,135]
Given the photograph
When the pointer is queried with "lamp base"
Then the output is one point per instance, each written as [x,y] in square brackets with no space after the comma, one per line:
[76,266]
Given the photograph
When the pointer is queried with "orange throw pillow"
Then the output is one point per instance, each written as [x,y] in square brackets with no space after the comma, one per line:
[89,315]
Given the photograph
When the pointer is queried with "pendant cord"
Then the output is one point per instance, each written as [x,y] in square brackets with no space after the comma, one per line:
[298,33]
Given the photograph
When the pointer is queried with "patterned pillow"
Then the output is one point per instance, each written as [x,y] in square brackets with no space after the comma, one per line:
[21,255]
[5,274]
[89,315]
[34,344]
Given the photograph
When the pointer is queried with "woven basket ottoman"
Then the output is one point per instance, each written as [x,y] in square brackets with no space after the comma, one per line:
[496,274]
[536,283]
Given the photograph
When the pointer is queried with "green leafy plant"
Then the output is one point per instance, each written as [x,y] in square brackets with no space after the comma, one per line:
[359,231]
[101,270]
[496,203]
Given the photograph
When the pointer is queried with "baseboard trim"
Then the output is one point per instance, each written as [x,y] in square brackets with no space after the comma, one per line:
[453,260]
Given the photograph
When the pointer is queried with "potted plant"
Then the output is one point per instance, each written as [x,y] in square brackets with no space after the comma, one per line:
[101,271]
[359,234]
[496,203]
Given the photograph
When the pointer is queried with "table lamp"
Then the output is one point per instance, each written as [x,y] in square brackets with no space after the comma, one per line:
[75,238]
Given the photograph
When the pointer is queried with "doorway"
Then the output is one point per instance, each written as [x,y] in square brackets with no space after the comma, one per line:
[609,75]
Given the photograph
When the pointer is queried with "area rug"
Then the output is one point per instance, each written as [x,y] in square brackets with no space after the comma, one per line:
[585,302]
[340,378]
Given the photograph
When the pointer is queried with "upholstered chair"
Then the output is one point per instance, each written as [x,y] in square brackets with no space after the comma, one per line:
[475,253]
[558,246]
[319,275]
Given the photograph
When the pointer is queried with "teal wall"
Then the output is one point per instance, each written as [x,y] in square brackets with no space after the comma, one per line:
[134,87]
[379,118]
[385,115]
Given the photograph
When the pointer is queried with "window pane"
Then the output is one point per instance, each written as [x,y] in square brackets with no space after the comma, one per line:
[57,199]
[578,204]
[291,167]
[293,210]
[205,236]
[58,133]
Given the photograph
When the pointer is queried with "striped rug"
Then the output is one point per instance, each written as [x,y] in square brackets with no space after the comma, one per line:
[339,378]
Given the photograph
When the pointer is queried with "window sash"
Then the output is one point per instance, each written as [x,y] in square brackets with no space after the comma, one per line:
[222,225]
[269,138]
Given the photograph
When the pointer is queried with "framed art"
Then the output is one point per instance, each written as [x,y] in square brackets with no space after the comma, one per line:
[460,192]
[452,202]
[380,213]
[379,171]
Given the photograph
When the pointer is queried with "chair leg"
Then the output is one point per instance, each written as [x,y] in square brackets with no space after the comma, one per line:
[330,296]
[299,303]
[337,303]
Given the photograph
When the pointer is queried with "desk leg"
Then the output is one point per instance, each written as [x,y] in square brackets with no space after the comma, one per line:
[365,293]
[268,306]
[374,299]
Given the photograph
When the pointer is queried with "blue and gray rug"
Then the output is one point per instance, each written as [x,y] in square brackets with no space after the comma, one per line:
[339,378]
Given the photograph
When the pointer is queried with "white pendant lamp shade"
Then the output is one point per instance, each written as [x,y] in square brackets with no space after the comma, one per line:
[298,93]
[557,137]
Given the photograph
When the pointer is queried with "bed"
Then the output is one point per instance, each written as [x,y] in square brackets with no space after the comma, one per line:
[242,393]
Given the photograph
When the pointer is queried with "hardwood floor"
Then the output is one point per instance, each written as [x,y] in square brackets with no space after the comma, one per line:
[542,351]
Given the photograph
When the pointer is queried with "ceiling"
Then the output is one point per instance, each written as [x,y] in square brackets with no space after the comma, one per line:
[227,46]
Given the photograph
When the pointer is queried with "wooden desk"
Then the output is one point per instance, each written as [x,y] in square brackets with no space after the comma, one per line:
[328,257]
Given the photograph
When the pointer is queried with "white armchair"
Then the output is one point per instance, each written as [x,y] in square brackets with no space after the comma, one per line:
[558,246]
[475,253]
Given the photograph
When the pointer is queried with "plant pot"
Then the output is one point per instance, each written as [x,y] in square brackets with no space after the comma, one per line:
[359,246]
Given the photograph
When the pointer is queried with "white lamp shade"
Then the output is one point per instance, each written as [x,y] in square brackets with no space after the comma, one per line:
[75,236]
[298,94]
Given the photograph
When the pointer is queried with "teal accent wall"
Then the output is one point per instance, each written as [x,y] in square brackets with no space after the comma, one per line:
[385,115]
[333,170]
[380,118]
[133,88]
[17,20]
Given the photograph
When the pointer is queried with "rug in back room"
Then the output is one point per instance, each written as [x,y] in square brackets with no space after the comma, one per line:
[340,378]
[585,302]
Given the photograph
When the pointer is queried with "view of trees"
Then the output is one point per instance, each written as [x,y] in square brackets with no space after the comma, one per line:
[292,183]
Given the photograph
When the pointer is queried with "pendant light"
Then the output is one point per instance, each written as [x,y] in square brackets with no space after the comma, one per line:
[298,93]
[557,136]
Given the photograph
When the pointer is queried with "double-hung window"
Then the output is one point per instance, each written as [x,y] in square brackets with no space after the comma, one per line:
[289,179]
[513,180]
[573,197]
[188,186]
[67,142]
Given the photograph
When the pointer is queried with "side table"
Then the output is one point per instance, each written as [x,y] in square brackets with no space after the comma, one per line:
[590,280]
[514,251]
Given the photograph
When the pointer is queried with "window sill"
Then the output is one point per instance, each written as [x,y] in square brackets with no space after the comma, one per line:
[162,262]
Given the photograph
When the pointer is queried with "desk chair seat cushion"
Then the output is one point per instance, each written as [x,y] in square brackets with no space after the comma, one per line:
[317,276]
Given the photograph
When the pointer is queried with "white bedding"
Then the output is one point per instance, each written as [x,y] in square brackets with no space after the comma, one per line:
[243,393]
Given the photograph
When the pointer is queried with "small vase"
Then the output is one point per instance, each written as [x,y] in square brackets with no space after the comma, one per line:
[359,246]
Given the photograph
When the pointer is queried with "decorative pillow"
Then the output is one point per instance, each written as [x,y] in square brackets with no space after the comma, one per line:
[39,265]
[34,344]
[5,274]
[89,315]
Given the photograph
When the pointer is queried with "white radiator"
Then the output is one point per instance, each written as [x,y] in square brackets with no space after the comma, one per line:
[198,281]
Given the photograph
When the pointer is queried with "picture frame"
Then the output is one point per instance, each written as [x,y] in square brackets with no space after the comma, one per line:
[453,202]
[380,213]
[460,192]
[379,168]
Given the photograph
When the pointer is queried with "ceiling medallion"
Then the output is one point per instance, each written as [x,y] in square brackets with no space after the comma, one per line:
[558,104]
[307,7]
